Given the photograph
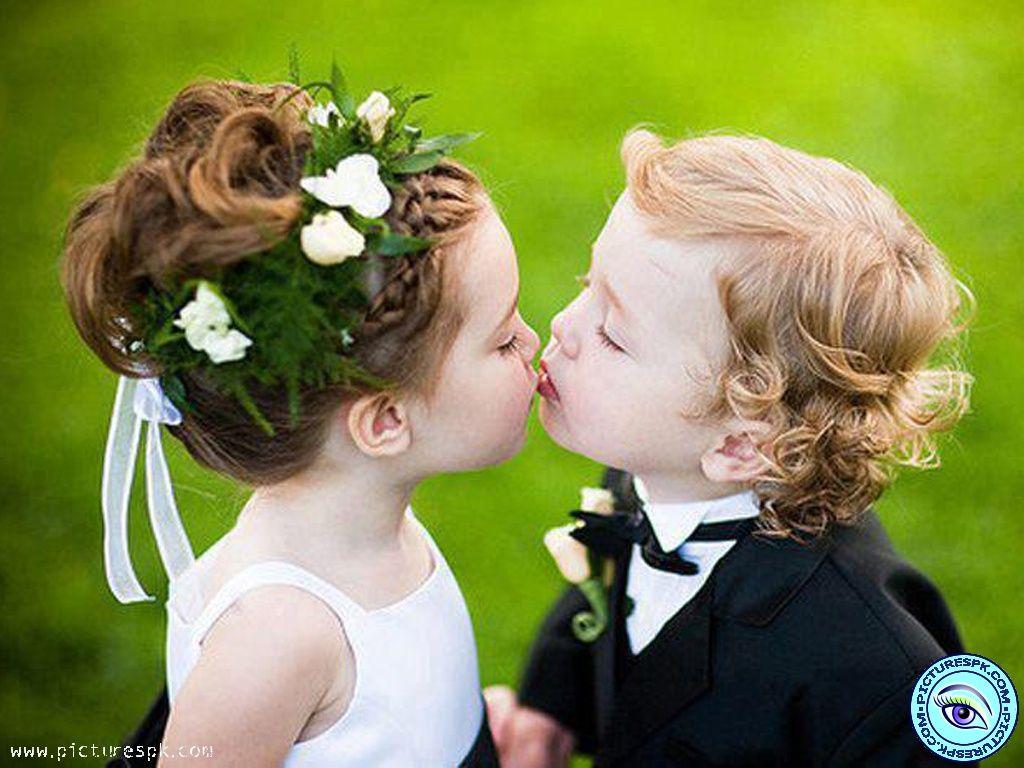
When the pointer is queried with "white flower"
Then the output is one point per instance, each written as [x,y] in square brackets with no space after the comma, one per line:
[204,316]
[206,322]
[599,500]
[569,555]
[225,348]
[375,112]
[319,114]
[330,239]
[355,182]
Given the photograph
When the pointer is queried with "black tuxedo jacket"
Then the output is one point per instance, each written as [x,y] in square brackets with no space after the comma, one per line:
[789,655]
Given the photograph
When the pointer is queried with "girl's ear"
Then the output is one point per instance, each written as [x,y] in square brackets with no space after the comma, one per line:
[737,456]
[379,425]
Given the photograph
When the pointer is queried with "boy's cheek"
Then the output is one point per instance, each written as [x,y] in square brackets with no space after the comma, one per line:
[589,414]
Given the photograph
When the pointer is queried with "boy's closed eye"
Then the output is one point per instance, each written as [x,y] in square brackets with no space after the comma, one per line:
[607,340]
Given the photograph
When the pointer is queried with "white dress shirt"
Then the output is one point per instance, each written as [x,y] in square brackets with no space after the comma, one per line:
[658,595]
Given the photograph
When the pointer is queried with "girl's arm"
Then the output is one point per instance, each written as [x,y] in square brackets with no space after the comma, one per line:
[268,663]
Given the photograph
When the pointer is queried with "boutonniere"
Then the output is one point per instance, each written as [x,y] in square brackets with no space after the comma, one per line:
[588,570]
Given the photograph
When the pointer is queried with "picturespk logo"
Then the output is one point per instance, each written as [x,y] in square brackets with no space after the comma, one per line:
[964,707]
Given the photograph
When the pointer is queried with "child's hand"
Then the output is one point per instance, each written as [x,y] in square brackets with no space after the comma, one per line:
[525,737]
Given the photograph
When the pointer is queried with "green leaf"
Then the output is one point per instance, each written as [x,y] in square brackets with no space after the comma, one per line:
[392,244]
[229,305]
[446,142]
[165,336]
[292,385]
[417,163]
[339,87]
[293,64]
[338,84]
[347,107]
[175,391]
[252,409]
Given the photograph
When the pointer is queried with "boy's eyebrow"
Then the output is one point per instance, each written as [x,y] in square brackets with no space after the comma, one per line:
[613,297]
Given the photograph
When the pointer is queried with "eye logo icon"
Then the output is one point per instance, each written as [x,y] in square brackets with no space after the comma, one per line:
[964,707]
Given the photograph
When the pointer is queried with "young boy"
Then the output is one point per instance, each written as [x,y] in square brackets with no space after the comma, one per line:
[752,345]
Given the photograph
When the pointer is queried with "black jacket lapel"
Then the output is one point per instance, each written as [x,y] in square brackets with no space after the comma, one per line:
[666,676]
[605,667]
[751,584]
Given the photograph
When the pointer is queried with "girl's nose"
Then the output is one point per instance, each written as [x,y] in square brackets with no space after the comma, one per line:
[563,333]
[532,343]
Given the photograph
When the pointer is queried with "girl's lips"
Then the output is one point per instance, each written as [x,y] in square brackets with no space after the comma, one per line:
[545,386]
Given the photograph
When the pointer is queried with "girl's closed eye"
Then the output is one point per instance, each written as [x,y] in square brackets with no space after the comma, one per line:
[511,346]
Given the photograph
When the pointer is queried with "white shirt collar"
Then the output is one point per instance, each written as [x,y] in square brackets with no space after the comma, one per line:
[673,522]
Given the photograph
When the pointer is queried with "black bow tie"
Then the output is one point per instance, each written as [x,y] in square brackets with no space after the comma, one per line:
[611,534]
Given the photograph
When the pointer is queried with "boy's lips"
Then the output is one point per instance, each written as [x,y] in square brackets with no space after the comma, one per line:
[545,386]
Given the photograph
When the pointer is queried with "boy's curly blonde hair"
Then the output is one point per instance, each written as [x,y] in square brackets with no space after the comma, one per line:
[836,303]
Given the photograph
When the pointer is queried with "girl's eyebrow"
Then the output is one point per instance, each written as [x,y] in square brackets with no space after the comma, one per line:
[508,315]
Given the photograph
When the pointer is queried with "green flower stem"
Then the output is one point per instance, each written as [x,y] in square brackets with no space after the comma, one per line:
[251,408]
[588,625]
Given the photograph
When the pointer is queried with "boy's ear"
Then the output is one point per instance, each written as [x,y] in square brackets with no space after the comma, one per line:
[737,456]
[379,425]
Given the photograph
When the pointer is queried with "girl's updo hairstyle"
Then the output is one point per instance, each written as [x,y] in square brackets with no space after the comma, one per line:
[218,180]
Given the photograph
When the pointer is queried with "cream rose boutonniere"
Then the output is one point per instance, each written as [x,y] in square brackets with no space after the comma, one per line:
[583,568]
[599,500]
[569,555]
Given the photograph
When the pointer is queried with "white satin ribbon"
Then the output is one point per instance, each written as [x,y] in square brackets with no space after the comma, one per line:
[139,400]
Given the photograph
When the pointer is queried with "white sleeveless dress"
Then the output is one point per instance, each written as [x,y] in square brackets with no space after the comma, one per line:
[416,700]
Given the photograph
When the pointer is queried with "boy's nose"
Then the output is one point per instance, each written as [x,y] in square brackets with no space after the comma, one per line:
[562,332]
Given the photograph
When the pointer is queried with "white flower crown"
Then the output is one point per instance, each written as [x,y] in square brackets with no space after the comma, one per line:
[285,316]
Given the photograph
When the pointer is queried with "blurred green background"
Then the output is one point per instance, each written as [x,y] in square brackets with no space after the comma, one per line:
[925,97]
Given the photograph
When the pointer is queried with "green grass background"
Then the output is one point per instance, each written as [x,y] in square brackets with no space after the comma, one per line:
[925,97]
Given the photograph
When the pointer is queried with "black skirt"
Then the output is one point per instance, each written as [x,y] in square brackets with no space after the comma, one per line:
[143,746]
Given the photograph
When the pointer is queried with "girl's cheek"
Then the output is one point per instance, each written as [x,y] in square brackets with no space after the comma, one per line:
[526,387]
[524,376]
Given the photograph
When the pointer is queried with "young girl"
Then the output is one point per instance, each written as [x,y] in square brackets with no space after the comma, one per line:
[322,308]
